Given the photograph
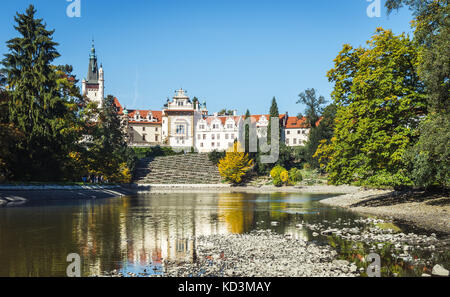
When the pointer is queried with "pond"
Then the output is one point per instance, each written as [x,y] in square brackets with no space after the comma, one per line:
[136,234]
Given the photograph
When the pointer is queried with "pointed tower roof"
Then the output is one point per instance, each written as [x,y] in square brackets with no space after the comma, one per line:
[92,77]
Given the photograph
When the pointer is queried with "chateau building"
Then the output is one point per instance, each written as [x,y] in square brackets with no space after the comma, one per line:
[217,132]
[184,123]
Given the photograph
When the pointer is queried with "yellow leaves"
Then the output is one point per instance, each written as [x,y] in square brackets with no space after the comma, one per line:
[284,176]
[75,156]
[280,176]
[235,165]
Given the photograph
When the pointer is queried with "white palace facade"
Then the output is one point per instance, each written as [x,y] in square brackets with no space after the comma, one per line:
[184,123]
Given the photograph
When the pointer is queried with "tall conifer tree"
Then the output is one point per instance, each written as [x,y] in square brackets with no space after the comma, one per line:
[35,106]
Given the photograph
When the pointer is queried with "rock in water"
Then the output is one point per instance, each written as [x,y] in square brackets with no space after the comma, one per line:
[438,270]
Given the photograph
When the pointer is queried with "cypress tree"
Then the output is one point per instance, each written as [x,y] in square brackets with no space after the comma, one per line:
[247,133]
[274,113]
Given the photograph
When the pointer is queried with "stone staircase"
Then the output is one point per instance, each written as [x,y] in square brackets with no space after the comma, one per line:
[179,169]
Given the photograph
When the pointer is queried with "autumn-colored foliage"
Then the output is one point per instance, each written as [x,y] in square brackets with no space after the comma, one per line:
[236,164]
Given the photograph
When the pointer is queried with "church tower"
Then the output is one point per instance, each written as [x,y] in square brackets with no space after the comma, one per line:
[94,86]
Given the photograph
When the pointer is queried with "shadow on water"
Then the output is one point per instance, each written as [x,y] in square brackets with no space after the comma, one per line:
[135,235]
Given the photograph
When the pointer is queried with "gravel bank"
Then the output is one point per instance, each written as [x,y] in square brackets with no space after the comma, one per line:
[427,211]
[261,254]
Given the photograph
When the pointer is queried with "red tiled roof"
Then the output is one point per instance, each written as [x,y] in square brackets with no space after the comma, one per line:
[118,105]
[296,123]
[157,114]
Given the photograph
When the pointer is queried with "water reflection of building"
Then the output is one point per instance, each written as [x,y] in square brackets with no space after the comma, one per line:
[146,231]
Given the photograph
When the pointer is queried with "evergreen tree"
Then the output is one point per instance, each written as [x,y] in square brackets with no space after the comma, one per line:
[109,154]
[247,133]
[320,134]
[36,107]
[274,113]
[9,135]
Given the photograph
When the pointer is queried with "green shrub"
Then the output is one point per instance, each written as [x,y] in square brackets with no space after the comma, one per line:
[151,152]
[276,171]
[427,162]
[295,175]
[386,179]
[280,176]
[215,156]
[277,182]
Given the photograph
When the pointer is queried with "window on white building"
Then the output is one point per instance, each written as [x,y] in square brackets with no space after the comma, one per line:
[295,141]
[215,126]
[226,136]
[213,136]
[143,128]
[144,137]
[288,132]
[199,137]
[230,126]
[232,136]
[204,136]
[212,144]
[218,144]
[156,138]
[218,136]
[298,131]
[287,141]
[201,144]
[180,129]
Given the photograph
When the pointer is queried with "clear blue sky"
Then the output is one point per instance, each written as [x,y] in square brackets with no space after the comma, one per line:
[236,54]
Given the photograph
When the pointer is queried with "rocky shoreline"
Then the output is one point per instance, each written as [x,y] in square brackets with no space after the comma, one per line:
[261,254]
[265,253]
[426,211]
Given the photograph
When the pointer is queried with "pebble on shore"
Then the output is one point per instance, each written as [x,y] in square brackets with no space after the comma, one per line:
[261,254]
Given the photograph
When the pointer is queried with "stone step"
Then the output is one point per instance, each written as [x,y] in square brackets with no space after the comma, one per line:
[178,169]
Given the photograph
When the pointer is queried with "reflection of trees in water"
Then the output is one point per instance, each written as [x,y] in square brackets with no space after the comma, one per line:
[140,231]
[237,211]
[98,232]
